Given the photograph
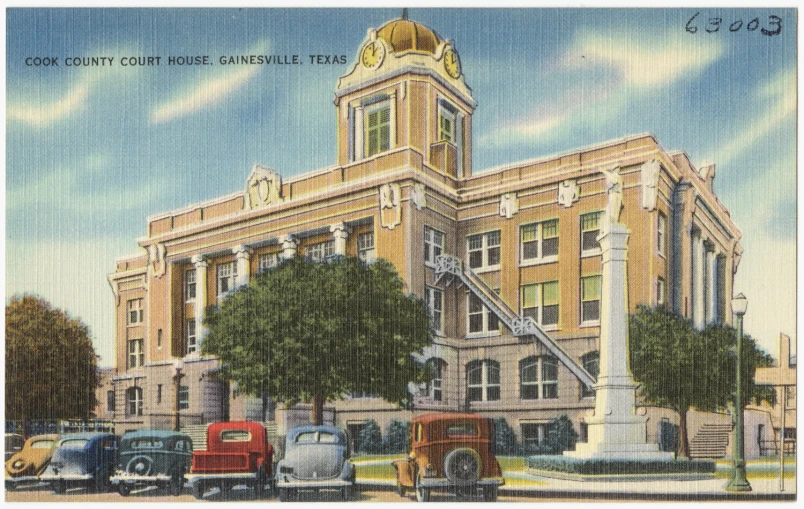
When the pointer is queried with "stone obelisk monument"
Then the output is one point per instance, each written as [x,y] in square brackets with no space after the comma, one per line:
[615,430]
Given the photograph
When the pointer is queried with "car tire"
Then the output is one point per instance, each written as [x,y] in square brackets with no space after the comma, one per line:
[259,482]
[198,490]
[286,494]
[463,466]
[58,487]
[346,493]
[176,484]
[124,490]
[422,493]
[400,490]
[490,494]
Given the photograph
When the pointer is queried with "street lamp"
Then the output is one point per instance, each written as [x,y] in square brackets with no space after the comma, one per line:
[177,376]
[737,481]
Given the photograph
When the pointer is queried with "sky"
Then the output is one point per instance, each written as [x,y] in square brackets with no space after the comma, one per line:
[91,152]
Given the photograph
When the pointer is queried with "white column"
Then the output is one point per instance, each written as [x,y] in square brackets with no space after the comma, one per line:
[289,246]
[698,311]
[242,257]
[459,142]
[200,297]
[340,233]
[711,290]
[392,130]
[359,133]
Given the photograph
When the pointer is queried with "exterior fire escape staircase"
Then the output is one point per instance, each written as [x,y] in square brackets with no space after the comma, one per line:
[450,269]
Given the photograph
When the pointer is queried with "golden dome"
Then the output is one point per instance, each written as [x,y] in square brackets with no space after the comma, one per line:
[405,35]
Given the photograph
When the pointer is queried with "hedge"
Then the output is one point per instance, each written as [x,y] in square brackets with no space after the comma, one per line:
[601,466]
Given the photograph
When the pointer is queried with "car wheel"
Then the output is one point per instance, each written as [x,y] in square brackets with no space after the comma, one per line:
[462,466]
[58,487]
[400,490]
[124,490]
[177,484]
[259,482]
[490,494]
[346,493]
[198,491]
[287,494]
[422,493]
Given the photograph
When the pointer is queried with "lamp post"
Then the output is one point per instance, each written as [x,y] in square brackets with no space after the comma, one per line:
[177,376]
[737,481]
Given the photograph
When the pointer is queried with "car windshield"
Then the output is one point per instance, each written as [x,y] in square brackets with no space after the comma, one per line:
[42,444]
[311,437]
[305,438]
[461,429]
[235,435]
[146,443]
[77,443]
[327,438]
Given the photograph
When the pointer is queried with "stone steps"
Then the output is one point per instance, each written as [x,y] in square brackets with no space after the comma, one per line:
[711,441]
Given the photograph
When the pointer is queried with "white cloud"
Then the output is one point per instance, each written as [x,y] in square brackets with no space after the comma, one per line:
[43,114]
[643,63]
[208,92]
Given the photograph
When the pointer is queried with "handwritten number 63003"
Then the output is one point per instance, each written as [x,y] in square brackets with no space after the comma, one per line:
[714,24]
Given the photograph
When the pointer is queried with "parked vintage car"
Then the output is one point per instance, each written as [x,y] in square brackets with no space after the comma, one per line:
[237,453]
[25,466]
[316,457]
[450,452]
[85,459]
[153,458]
[14,444]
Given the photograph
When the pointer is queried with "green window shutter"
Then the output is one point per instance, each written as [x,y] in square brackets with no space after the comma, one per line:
[550,293]
[590,288]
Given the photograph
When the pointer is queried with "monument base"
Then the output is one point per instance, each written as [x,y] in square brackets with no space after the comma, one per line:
[618,437]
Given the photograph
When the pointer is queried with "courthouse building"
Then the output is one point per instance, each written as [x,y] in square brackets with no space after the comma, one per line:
[403,187]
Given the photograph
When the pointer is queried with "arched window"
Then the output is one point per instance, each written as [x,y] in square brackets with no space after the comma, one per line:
[134,401]
[435,368]
[591,363]
[538,377]
[483,380]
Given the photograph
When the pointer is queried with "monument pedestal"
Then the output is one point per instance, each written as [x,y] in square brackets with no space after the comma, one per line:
[615,430]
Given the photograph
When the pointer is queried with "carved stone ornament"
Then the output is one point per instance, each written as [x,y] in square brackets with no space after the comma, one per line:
[263,187]
[418,197]
[509,205]
[614,189]
[390,205]
[156,259]
[568,193]
[649,181]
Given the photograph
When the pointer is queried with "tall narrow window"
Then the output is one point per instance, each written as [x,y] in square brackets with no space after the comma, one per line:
[590,298]
[483,380]
[184,397]
[110,403]
[433,245]
[446,125]
[481,319]
[540,302]
[378,130]
[192,343]
[538,377]
[227,274]
[135,311]
[435,368]
[434,299]
[136,354]
[484,250]
[539,241]
[365,247]
[590,229]
[134,401]
[189,285]
[660,291]
[159,338]
[661,234]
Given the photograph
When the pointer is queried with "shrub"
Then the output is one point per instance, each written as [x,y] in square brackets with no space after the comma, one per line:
[505,438]
[396,437]
[601,466]
[561,436]
[369,440]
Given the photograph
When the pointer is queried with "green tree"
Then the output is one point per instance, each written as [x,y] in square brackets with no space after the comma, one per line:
[681,368]
[314,331]
[51,366]
[561,435]
[396,437]
[369,440]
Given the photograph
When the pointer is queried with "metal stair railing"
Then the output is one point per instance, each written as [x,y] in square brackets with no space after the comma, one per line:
[520,326]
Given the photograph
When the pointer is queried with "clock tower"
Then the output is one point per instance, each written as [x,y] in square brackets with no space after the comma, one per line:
[406,90]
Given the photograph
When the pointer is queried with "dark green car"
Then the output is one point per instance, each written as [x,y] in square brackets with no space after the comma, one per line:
[153,458]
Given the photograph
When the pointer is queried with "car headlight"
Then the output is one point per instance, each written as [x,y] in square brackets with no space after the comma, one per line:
[429,470]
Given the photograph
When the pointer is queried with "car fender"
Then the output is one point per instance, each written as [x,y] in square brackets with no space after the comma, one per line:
[404,472]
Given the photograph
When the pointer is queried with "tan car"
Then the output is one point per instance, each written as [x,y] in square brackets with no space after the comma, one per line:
[26,466]
[450,452]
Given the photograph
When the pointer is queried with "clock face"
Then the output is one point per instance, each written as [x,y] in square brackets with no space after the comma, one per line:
[372,55]
[452,64]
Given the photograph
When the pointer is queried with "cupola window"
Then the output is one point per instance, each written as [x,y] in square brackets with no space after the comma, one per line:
[378,130]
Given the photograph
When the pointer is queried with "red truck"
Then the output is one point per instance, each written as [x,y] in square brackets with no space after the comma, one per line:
[237,453]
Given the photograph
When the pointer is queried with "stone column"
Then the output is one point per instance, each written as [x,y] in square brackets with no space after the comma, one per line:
[242,258]
[459,143]
[359,133]
[698,310]
[289,246]
[711,290]
[615,430]
[201,265]
[392,126]
[340,233]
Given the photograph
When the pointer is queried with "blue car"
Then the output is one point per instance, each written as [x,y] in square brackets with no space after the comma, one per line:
[316,458]
[82,459]
[153,458]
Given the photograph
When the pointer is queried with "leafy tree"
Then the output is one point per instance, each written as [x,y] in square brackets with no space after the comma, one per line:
[369,439]
[561,435]
[396,438]
[681,368]
[314,331]
[504,436]
[51,366]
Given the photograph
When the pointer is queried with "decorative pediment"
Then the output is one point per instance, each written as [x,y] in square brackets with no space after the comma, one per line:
[263,187]
[568,193]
